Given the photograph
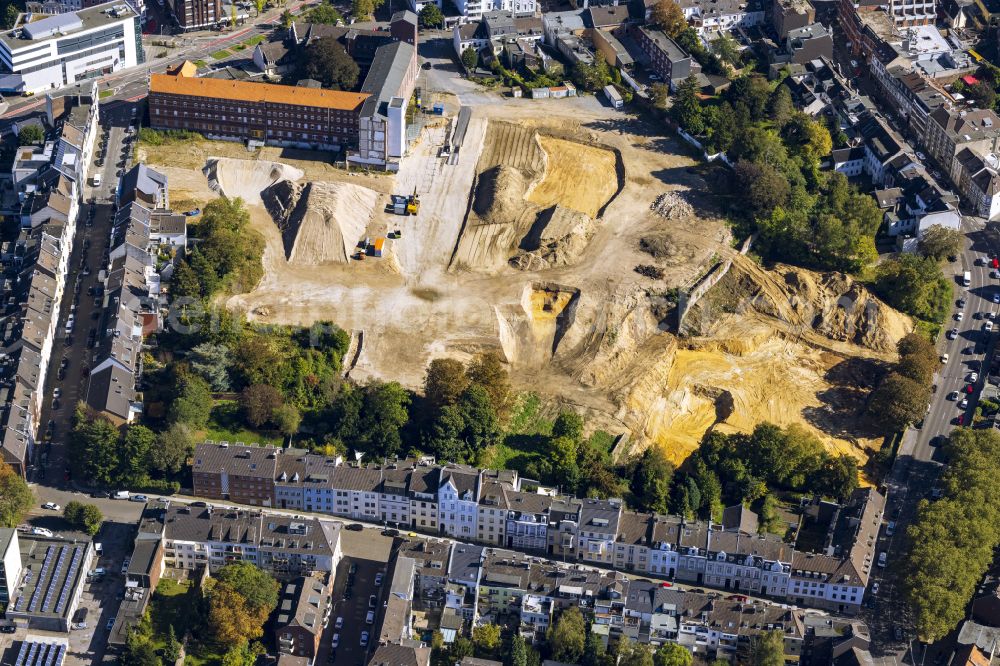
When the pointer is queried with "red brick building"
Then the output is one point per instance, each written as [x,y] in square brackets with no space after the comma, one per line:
[245,476]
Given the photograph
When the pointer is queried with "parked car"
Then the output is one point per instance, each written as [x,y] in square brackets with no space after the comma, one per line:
[370,618]
[8,629]
[378,579]
[110,625]
[364,638]
[339,624]
[372,600]
[125,563]
[335,642]
[52,506]
[41,531]
[138,498]
[890,528]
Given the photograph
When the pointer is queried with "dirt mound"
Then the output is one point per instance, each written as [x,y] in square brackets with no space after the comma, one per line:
[672,206]
[577,176]
[830,305]
[558,238]
[320,222]
[246,179]
[500,195]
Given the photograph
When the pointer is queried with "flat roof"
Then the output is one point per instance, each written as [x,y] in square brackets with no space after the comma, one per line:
[61,25]
[53,569]
[245,91]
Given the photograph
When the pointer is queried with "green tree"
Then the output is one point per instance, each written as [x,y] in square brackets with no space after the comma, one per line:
[672,654]
[30,134]
[568,424]
[445,381]
[518,651]
[939,242]
[668,16]
[914,285]
[594,652]
[764,187]
[287,419]
[84,517]
[94,449]
[211,362]
[486,638]
[444,436]
[481,425]
[326,61]
[780,107]
[751,91]
[383,416]
[16,497]
[686,110]
[767,649]
[727,49]
[488,371]
[173,446]
[172,647]
[470,58]
[259,5]
[631,653]
[133,455]
[651,481]
[431,16]
[659,93]
[461,648]
[567,636]
[362,10]
[259,402]
[324,13]
[240,602]
[287,18]
[243,654]
[193,402]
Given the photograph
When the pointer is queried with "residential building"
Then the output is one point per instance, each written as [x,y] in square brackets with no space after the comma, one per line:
[304,609]
[458,496]
[599,520]
[787,15]
[243,474]
[721,15]
[430,569]
[396,626]
[979,182]
[49,591]
[282,545]
[146,186]
[65,48]
[10,564]
[950,131]
[392,654]
[668,60]
[195,14]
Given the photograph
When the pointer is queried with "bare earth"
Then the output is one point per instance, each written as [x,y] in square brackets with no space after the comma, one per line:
[590,332]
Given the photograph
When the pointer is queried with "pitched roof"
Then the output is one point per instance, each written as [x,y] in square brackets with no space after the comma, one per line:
[245,91]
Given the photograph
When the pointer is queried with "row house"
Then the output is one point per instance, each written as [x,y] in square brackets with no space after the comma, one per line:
[284,546]
[431,558]
[304,609]
[488,507]
[465,567]
[979,183]
[950,132]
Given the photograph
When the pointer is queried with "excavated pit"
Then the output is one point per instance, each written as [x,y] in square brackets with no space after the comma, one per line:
[531,330]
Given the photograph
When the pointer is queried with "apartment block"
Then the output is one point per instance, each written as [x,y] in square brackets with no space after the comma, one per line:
[304,609]
[672,63]
[194,14]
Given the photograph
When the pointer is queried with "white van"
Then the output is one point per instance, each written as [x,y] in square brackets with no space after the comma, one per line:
[96,180]
[120,494]
[966,279]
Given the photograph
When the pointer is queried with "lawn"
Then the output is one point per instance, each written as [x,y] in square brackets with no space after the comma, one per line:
[105,93]
[171,605]
[525,439]
[254,41]
[227,424]
[200,63]
[221,54]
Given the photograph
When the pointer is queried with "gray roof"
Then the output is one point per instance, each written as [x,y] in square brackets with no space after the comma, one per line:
[112,390]
[466,563]
[600,516]
[258,461]
[61,24]
[303,603]
[385,77]
[53,575]
[142,179]
[400,655]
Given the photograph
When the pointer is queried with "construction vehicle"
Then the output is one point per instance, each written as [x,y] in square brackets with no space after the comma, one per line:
[413,203]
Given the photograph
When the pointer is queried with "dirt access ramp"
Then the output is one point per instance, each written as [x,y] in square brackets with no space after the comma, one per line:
[522,174]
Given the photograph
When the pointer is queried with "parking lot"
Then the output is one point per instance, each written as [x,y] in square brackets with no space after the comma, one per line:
[353,606]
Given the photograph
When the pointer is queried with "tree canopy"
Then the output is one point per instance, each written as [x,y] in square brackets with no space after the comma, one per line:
[240,602]
[84,517]
[324,13]
[939,242]
[328,62]
[431,16]
[668,16]
[16,497]
[30,134]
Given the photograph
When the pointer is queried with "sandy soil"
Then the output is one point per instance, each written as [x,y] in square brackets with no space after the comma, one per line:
[576,176]
[592,334]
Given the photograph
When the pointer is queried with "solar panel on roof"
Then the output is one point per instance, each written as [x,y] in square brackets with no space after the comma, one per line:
[60,656]
[21,654]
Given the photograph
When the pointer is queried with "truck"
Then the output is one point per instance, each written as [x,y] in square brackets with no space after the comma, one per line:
[966,279]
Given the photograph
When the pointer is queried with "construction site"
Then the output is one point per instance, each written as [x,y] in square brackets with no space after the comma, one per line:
[560,237]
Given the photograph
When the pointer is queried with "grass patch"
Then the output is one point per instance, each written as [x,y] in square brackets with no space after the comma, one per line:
[152,137]
[254,41]
[525,439]
[221,54]
[239,47]
[105,93]
[200,63]
[171,605]
[227,424]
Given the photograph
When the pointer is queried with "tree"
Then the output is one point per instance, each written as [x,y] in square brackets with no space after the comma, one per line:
[259,5]
[470,58]
[445,379]
[383,415]
[172,647]
[518,651]
[243,654]
[939,243]
[651,480]
[488,371]
[686,109]
[727,49]
[568,424]
[431,16]
[658,94]
[193,404]
[481,425]
[239,603]
[668,16]
[437,641]
[568,635]
[751,91]
[461,648]
[982,93]
[807,137]
[29,135]
[914,285]
[593,75]
[259,402]
[94,449]
[780,107]
[133,455]
[764,187]
[631,653]
[362,10]
[287,18]
[324,13]
[594,653]
[767,649]
[672,654]
[16,497]
[173,446]
[326,61]
[287,418]
[233,17]
[84,517]
[486,637]
[139,650]
[211,362]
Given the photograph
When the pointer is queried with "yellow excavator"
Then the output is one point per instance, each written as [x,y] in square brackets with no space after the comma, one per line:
[413,203]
